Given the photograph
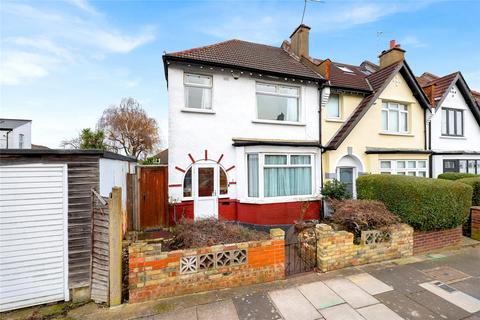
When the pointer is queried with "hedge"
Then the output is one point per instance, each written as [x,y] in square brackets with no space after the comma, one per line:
[425,204]
[455,175]
[475,184]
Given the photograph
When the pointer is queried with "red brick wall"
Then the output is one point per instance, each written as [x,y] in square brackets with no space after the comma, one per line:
[156,274]
[475,224]
[427,241]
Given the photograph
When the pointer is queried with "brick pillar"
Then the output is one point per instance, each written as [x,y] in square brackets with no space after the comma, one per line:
[475,224]
[278,241]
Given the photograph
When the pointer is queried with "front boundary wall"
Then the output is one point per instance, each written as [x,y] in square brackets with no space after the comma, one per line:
[475,223]
[336,250]
[433,240]
[155,274]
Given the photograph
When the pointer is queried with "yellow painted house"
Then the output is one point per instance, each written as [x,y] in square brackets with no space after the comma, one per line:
[372,116]
[381,130]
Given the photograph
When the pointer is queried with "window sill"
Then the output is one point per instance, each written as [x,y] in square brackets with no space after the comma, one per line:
[286,123]
[386,133]
[279,199]
[453,137]
[334,120]
[192,110]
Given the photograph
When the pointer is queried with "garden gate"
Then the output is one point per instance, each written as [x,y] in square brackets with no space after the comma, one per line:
[300,254]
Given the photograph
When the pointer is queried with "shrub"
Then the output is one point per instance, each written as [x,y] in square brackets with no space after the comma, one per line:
[209,232]
[475,184]
[425,204]
[358,215]
[455,175]
[334,189]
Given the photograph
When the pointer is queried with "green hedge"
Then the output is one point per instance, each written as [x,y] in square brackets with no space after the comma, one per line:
[475,183]
[455,175]
[425,204]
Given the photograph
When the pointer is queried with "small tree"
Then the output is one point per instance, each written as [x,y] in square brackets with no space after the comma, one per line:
[128,127]
[334,189]
[87,139]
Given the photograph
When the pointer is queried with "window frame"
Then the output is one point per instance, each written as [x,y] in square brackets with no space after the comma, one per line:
[457,166]
[262,166]
[447,118]
[21,140]
[406,170]
[276,94]
[399,112]
[327,117]
[196,85]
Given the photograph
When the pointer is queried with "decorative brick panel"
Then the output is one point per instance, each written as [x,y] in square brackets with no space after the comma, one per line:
[432,240]
[336,250]
[155,274]
[475,224]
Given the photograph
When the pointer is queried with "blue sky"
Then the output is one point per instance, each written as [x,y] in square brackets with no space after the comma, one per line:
[64,62]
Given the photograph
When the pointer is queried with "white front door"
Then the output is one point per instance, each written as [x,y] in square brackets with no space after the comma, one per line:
[205,190]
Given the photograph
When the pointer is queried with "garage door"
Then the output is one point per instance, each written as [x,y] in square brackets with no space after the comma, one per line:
[33,235]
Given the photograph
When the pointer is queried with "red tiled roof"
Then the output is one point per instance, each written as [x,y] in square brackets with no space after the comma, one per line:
[344,79]
[426,77]
[247,55]
[441,86]
[378,80]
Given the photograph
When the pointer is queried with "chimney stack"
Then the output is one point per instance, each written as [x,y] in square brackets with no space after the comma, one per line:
[392,55]
[299,41]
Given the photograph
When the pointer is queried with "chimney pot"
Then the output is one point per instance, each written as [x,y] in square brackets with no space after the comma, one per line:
[392,55]
[392,44]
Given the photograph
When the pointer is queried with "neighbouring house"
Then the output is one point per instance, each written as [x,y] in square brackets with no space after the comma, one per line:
[454,124]
[46,221]
[244,133]
[372,117]
[15,134]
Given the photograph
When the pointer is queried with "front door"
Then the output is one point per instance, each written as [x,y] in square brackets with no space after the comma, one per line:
[205,190]
[346,175]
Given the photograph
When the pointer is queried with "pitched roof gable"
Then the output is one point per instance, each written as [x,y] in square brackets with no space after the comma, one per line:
[247,56]
[378,82]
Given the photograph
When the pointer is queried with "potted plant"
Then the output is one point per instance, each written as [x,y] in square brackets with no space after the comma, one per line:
[333,190]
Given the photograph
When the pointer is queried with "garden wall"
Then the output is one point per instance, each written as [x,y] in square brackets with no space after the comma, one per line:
[432,240]
[475,224]
[156,274]
[336,250]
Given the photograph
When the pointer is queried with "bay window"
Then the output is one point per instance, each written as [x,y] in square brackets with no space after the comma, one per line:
[452,122]
[198,91]
[394,117]
[279,175]
[416,168]
[277,102]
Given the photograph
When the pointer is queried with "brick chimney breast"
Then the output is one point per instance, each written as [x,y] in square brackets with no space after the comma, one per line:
[392,55]
[299,41]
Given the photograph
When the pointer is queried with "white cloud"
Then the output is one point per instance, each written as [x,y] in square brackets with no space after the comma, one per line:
[412,41]
[70,40]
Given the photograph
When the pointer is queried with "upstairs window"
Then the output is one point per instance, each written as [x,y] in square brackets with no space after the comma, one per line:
[198,91]
[394,117]
[277,102]
[333,107]
[21,138]
[452,122]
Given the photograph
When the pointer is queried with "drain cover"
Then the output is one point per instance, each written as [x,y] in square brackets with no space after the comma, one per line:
[445,287]
[445,274]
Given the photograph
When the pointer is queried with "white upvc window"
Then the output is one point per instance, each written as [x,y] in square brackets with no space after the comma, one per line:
[21,140]
[198,91]
[333,107]
[276,102]
[280,175]
[416,168]
[394,117]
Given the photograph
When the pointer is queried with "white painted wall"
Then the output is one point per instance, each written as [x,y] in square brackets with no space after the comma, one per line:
[14,137]
[113,173]
[234,106]
[471,139]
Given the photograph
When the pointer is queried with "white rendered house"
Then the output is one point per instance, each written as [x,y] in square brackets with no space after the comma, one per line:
[454,127]
[243,133]
[15,134]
